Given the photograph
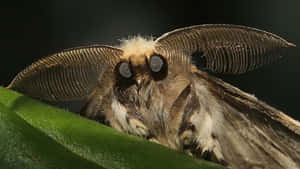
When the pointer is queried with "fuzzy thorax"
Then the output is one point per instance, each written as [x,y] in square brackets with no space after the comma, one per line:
[137,49]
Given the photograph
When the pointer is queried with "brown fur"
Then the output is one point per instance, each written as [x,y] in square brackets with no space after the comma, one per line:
[180,106]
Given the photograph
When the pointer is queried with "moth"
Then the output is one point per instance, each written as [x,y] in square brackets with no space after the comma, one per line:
[162,90]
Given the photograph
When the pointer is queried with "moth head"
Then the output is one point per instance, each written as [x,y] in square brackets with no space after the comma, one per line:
[140,62]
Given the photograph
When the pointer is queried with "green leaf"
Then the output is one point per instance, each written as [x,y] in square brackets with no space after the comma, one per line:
[38,136]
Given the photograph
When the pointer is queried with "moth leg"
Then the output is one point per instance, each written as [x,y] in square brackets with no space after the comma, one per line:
[199,139]
[218,156]
[209,149]
[129,122]
[214,151]
[188,143]
[137,127]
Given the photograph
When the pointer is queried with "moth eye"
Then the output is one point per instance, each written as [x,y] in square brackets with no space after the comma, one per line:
[156,63]
[124,70]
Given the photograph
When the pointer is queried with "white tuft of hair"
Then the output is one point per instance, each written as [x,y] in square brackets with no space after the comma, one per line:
[137,45]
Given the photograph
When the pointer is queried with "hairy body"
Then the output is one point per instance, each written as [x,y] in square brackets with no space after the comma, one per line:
[185,111]
[153,89]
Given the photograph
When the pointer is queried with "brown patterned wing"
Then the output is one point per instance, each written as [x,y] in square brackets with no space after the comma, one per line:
[68,75]
[254,134]
[222,48]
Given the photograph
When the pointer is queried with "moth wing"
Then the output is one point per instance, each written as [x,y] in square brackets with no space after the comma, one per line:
[255,135]
[222,48]
[68,75]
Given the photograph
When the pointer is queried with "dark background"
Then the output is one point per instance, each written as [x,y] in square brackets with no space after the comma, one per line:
[33,29]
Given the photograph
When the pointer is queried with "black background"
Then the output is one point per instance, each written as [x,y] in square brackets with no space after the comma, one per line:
[33,29]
